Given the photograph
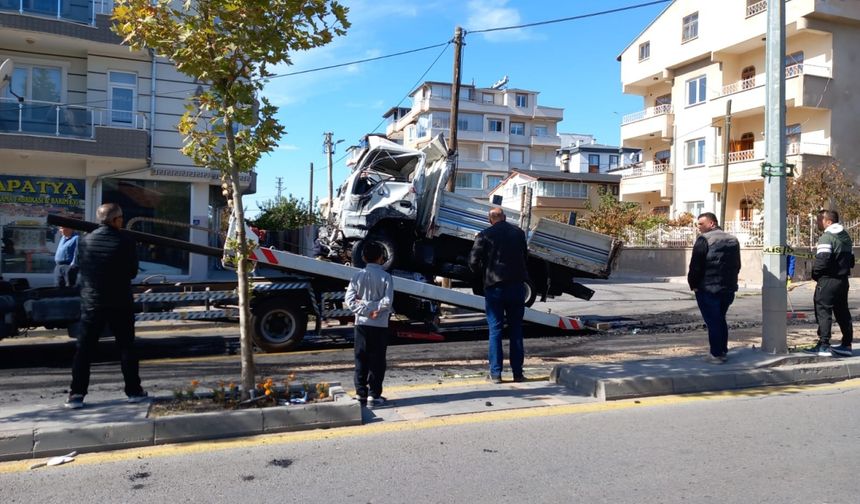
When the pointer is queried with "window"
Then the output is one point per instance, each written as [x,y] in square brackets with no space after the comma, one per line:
[562,190]
[694,207]
[613,161]
[469,122]
[440,120]
[517,156]
[695,150]
[665,99]
[663,156]
[593,163]
[493,181]
[748,77]
[422,125]
[123,94]
[488,98]
[496,125]
[518,128]
[690,27]
[468,180]
[540,131]
[747,208]
[495,153]
[792,138]
[696,89]
[36,83]
[522,100]
[467,94]
[644,50]
[440,91]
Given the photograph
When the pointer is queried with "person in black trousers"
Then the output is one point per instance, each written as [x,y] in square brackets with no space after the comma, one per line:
[108,263]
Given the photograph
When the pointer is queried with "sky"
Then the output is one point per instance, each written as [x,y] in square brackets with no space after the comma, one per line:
[572,64]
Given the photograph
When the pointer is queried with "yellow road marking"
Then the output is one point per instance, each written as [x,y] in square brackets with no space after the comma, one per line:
[377,428]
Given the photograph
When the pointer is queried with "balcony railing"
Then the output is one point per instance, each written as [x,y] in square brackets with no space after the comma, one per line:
[648,112]
[75,11]
[759,80]
[737,157]
[55,119]
[641,170]
[756,8]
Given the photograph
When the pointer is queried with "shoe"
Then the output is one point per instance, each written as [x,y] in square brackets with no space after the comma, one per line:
[822,349]
[842,351]
[715,359]
[138,398]
[361,401]
[519,378]
[495,378]
[376,402]
[75,401]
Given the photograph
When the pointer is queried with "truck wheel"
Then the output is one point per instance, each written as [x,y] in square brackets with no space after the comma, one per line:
[279,324]
[531,292]
[389,249]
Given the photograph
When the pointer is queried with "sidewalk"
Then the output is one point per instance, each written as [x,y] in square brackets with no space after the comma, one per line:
[41,429]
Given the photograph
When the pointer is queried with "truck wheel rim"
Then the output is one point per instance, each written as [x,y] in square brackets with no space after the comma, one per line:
[278,326]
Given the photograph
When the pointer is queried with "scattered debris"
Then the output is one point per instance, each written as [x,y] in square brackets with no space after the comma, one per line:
[139,475]
[487,450]
[55,461]
[248,477]
[283,463]
[488,403]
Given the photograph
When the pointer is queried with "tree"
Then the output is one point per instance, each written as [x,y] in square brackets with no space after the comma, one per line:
[612,217]
[819,186]
[286,213]
[229,45]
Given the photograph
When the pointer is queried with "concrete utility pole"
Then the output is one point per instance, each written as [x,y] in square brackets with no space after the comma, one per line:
[280,187]
[727,144]
[311,193]
[774,294]
[455,105]
[328,148]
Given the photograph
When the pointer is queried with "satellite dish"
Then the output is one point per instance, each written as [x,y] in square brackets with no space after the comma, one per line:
[6,69]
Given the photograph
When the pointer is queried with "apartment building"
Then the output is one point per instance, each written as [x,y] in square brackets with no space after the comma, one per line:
[498,130]
[592,157]
[695,57]
[86,121]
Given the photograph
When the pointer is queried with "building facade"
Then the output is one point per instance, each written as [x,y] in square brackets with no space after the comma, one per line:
[498,130]
[694,58]
[591,157]
[86,121]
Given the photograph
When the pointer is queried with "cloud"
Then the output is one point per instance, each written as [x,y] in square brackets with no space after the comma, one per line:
[485,14]
[288,147]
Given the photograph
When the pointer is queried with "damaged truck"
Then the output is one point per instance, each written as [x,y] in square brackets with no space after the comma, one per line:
[396,196]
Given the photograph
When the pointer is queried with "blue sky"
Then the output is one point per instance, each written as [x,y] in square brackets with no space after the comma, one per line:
[571,64]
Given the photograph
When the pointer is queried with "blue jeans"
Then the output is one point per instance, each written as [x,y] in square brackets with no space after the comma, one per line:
[714,307]
[505,303]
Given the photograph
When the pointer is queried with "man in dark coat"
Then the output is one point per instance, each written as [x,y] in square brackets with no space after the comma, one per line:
[108,262]
[713,276]
[499,258]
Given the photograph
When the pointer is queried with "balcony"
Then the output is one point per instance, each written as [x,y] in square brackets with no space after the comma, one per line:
[650,177]
[74,11]
[545,141]
[651,122]
[744,166]
[804,87]
[756,8]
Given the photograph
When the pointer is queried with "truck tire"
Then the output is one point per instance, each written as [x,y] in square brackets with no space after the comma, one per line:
[279,324]
[389,248]
[531,292]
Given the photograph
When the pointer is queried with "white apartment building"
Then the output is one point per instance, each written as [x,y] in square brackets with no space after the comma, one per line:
[86,121]
[698,54]
[592,157]
[498,130]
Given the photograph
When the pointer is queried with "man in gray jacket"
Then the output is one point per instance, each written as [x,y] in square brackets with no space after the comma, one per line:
[713,276]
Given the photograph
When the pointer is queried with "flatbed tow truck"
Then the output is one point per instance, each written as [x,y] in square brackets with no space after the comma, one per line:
[281,304]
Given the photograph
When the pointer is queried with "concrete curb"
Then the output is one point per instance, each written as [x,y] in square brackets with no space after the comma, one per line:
[608,382]
[31,443]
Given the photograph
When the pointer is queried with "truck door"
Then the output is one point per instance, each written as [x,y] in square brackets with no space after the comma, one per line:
[429,182]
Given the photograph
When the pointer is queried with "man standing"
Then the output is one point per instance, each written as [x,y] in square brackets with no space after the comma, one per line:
[713,276]
[66,257]
[834,259]
[499,258]
[108,263]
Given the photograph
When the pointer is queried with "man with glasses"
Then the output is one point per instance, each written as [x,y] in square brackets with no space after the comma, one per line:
[108,263]
[713,277]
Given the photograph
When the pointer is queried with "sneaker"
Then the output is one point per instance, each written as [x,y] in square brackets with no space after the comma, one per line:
[495,378]
[138,398]
[715,359]
[361,400]
[519,379]
[376,402]
[75,401]
[822,349]
[842,351]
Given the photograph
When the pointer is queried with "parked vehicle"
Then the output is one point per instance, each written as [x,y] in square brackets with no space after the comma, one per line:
[396,196]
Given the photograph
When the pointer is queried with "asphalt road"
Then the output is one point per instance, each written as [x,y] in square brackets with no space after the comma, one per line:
[789,446]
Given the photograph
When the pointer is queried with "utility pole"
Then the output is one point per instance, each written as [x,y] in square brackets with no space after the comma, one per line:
[774,294]
[328,148]
[726,147]
[280,187]
[311,193]
[455,106]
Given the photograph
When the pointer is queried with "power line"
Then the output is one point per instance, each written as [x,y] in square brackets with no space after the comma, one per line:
[571,18]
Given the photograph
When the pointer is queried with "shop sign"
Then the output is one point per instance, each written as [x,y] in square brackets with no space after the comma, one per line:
[50,191]
[196,173]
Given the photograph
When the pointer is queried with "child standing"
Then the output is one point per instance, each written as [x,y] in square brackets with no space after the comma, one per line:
[369,297]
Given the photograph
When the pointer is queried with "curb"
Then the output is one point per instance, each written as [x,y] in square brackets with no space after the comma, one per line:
[606,383]
[36,442]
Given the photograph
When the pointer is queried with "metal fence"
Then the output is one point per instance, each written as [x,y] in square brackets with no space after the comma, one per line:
[800,233]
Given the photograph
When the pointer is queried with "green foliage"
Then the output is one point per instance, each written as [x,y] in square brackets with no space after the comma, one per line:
[612,216]
[823,186]
[286,213]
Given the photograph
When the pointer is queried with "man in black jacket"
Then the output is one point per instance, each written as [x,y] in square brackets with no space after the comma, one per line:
[499,258]
[713,276]
[108,263]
